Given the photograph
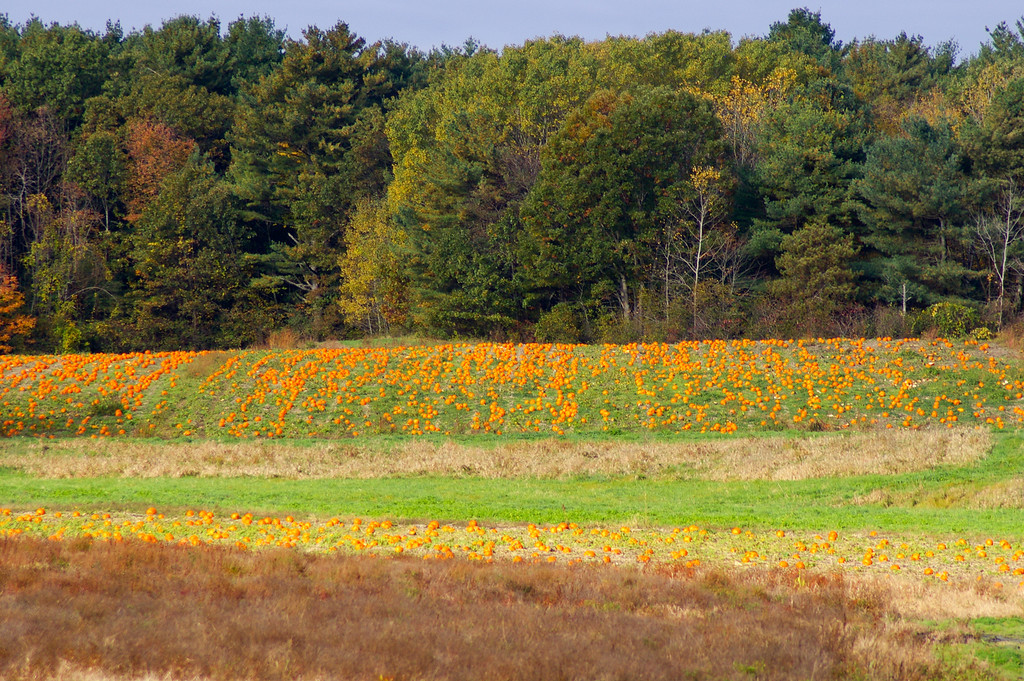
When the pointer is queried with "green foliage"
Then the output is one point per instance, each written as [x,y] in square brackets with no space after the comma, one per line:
[65,265]
[816,277]
[609,180]
[189,273]
[185,47]
[804,32]
[307,145]
[72,340]
[614,328]
[997,144]
[190,110]
[948,319]
[255,48]
[56,67]
[560,324]
[467,152]
[373,289]
[99,167]
[808,148]
[890,76]
[915,201]
[556,171]
[690,61]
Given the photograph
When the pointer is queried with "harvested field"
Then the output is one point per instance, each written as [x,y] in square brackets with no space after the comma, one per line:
[109,611]
[749,458]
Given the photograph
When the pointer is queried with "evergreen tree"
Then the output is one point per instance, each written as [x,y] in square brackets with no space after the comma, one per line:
[916,200]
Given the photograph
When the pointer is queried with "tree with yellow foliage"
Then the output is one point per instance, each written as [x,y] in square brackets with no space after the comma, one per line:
[743,107]
[697,233]
[373,289]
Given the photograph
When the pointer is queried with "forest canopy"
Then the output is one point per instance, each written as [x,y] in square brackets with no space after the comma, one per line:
[203,186]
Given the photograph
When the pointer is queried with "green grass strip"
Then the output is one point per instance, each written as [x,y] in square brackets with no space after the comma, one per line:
[812,505]
[931,501]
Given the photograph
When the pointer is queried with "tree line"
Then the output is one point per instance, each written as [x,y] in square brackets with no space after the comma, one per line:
[196,186]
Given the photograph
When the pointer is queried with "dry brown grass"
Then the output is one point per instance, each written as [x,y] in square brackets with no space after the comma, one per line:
[204,365]
[1002,494]
[86,611]
[282,339]
[885,452]
[67,672]
[780,458]
[1011,340]
[995,495]
[932,600]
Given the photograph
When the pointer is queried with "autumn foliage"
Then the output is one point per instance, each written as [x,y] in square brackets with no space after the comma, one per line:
[154,152]
[209,186]
[13,323]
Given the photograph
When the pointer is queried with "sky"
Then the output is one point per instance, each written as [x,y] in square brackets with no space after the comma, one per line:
[496,23]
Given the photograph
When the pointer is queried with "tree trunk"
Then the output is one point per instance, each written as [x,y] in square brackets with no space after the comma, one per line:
[624,297]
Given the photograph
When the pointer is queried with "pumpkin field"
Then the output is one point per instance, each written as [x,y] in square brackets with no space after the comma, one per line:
[524,389]
[869,491]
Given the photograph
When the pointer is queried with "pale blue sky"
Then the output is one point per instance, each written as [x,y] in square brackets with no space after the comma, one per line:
[427,23]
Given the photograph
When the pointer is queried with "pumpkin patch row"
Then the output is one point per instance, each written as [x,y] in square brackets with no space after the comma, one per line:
[992,559]
[489,388]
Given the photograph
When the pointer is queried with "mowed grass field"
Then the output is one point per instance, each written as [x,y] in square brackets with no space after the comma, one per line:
[778,509]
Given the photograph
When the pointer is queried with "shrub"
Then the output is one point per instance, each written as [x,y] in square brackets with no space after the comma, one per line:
[950,320]
[71,338]
[283,339]
[612,328]
[560,324]
[889,322]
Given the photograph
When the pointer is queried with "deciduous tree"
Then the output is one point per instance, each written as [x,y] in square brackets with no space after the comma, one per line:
[188,251]
[999,237]
[608,182]
[696,233]
[154,151]
[373,287]
[13,323]
[100,167]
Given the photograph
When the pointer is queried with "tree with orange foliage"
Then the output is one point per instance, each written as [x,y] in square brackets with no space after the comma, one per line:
[154,152]
[11,299]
